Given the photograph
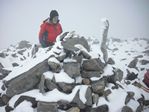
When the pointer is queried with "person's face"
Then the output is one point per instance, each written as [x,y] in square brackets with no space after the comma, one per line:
[55,20]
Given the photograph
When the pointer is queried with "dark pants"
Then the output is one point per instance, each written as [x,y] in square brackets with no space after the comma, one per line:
[44,40]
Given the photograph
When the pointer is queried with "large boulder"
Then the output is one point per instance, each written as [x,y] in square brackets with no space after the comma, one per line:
[72,69]
[69,44]
[27,80]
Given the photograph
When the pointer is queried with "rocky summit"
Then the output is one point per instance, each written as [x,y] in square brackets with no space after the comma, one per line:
[72,76]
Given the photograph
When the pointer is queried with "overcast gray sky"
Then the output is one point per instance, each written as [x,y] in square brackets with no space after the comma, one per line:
[21,19]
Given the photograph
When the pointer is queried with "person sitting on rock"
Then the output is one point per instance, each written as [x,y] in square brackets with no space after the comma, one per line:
[50,29]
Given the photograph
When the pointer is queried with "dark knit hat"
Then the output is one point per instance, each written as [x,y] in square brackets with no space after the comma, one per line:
[53,13]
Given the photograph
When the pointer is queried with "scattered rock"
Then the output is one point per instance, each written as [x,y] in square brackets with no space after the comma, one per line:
[1,102]
[14,55]
[2,55]
[82,67]
[130,95]
[115,49]
[111,61]
[21,51]
[139,108]
[93,65]
[1,66]
[34,50]
[27,98]
[47,107]
[4,73]
[111,79]
[126,109]
[90,74]
[142,69]
[66,88]
[98,86]
[116,40]
[106,93]
[133,63]
[139,56]
[88,97]
[146,102]
[146,52]
[73,109]
[86,81]
[15,64]
[118,74]
[131,76]
[64,105]
[5,98]
[95,98]
[102,108]
[144,62]
[8,108]
[24,44]
[76,100]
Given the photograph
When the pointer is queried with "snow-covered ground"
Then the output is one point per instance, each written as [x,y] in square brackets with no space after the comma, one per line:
[121,51]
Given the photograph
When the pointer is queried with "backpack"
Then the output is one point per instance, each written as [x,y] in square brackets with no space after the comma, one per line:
[44,40]
[146,78]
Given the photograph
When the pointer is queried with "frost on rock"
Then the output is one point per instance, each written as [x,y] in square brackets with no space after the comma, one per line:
[104,34]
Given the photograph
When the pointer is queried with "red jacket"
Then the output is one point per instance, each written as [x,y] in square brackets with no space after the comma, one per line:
[53,30]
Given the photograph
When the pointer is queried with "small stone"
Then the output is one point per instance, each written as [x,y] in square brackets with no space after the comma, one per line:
[86,81]
[73,109]
[126,109]
[47,107]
